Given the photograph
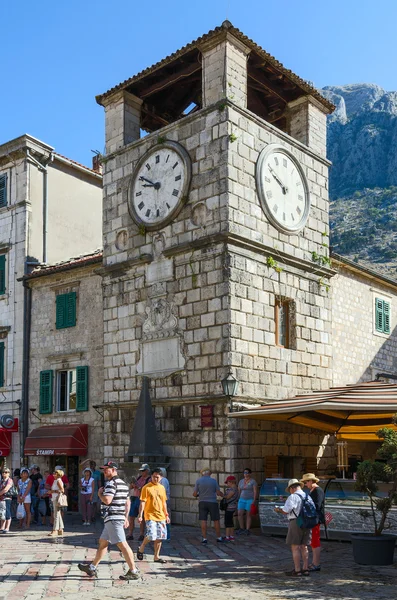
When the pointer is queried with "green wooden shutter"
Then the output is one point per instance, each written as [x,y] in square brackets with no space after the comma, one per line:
[2,273]
[60,311]
[46,389]
[82,388]
[386,317]
[379,315]
[70,309]
[1,364]
[3,190]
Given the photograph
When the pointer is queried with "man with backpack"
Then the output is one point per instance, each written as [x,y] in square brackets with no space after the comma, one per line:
[302,517]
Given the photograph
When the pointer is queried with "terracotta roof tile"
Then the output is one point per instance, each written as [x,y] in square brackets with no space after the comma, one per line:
[226,25]
[72,263]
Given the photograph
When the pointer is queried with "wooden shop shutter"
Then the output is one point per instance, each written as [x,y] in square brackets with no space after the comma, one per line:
[3,191]
[81,388]
[46,389]
[2,273]
[1,364]
[271,465]
[310,465]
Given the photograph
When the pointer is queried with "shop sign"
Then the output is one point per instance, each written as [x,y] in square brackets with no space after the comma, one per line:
[1,453]
[207,415]
[44,452]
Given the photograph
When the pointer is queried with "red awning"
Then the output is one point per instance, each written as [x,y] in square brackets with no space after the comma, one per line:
[71,440]
[5,442]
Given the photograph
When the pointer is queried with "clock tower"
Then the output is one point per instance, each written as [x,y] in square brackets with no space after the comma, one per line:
[215,253]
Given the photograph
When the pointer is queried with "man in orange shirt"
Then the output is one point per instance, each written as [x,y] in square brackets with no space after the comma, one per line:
[154,507]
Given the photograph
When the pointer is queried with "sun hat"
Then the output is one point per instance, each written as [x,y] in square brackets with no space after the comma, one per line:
[230,478]
[292,482]
[309,477]
[144,467]
[87,469]
[204,469]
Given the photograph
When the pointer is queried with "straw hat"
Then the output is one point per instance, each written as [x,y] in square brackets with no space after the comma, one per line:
[292,482]
[309,477]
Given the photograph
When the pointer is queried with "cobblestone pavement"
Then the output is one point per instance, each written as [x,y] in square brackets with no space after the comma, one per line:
[34,566]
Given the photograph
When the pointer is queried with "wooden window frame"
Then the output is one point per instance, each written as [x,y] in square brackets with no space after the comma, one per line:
[287,308]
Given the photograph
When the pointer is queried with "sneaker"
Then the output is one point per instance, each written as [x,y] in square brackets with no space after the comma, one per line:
[220,540]
[227,538]
[315,568]
[231,538]
[204,541]
[130,575]
[238,531]
[131,537]
[86,567]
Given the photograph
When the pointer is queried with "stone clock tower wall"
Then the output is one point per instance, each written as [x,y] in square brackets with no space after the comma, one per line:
[187,302]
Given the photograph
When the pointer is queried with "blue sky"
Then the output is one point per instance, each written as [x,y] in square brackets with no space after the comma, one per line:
[58,55]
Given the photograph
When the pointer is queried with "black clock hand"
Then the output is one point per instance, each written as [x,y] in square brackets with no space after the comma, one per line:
[142,178]
[276,177]
[149,185]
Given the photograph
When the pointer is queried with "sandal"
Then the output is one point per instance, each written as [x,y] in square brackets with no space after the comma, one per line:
[305,572]
[53,534]
[160,560]
[294,573]
[139,554]
[314,567]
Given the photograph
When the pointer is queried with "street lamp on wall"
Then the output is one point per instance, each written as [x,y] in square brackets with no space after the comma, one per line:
[230,388]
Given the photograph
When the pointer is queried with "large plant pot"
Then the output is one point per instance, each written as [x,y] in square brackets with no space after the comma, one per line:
[373,550]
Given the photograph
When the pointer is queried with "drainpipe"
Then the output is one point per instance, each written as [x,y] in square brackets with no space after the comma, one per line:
[43,167]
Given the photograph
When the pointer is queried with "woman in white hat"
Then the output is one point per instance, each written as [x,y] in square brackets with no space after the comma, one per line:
[310,482]
[297,537]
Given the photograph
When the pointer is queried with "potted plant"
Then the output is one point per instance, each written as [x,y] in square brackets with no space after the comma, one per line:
[378,548]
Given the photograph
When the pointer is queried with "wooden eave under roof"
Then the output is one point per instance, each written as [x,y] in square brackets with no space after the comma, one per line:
[171,85]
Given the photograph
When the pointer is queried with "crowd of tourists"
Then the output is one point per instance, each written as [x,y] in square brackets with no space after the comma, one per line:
[28,497]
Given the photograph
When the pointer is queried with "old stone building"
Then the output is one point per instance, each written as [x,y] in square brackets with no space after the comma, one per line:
[66,364]
[203,273]
[50,207]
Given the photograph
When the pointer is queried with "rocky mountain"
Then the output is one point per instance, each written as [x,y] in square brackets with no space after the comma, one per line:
[362,145]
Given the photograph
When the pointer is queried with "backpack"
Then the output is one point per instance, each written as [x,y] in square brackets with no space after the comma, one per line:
[308,517]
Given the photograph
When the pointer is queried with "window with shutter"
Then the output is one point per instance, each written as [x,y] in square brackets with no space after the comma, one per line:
[382,315]
[82,388]
[66,310]
[2,273]
[1,364]
[3,191]
[46,387]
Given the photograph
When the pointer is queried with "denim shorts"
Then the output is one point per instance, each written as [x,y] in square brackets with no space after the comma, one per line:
[244,504]
[134,507]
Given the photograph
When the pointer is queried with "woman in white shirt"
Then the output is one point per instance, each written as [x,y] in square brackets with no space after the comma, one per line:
[87,491]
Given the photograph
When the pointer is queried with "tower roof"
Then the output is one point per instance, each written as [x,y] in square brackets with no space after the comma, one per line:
[270,85]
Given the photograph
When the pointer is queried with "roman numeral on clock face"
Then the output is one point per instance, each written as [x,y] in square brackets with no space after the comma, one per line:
[177,178]
[298,210]
[158,212]
[157,159]
[148,212]
[269,194]
[275,208]
[175,165]
[285,162]
[147,166]
[141,205]
[175,192]
[138,194]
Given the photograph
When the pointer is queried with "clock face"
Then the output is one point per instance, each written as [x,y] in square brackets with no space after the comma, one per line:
[282,189]
[160,185]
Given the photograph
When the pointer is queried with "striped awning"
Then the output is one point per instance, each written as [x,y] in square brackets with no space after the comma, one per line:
[353,412]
